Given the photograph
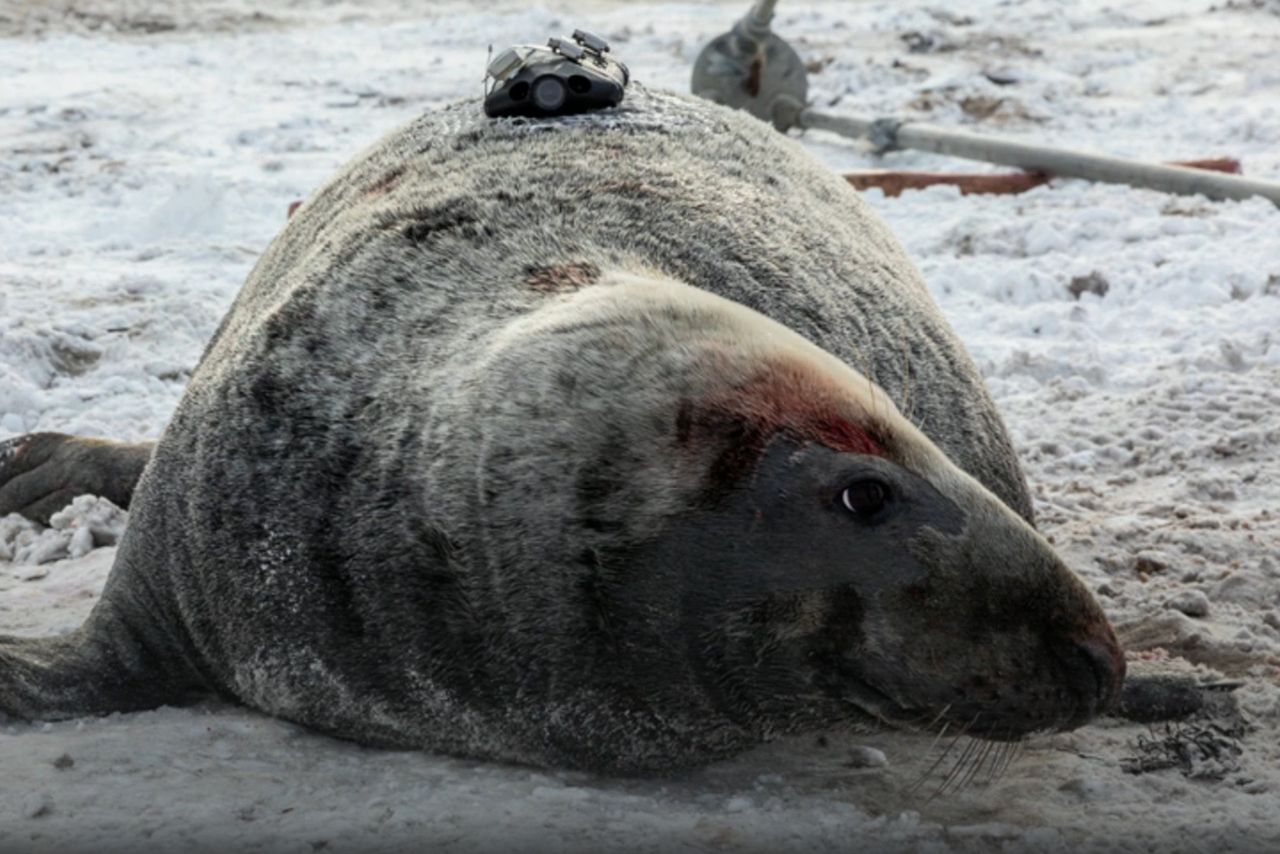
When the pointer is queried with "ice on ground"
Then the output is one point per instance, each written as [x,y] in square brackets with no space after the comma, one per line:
[87,523]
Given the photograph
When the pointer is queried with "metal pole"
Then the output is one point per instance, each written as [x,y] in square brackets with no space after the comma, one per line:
[761,15]
[887,134]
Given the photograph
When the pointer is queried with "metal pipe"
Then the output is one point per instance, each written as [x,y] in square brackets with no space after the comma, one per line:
[887,134]
[754,27]
[761,13]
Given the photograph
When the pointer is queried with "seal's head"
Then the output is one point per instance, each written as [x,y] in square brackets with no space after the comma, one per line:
[752,534]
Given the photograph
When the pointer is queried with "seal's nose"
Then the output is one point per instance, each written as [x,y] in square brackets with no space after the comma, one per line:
[1094,668]
[1106,666]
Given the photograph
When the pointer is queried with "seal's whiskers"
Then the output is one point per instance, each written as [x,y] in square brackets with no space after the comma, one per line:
[942,758]
[1015,753]
[962,762]
[929,771]
[984,755]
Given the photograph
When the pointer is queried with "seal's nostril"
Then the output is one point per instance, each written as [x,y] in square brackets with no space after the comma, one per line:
[1106,665]
[1094,670]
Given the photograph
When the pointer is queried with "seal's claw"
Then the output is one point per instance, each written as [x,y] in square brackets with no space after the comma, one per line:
[9,448]
[40,473]
[30,475]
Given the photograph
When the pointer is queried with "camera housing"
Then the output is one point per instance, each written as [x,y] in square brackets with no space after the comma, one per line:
[563,78]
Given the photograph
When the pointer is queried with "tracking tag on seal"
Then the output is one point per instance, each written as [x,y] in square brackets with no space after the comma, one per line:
[568,76]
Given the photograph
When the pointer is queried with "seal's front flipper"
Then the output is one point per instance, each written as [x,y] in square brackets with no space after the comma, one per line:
[41,472]
[100,668]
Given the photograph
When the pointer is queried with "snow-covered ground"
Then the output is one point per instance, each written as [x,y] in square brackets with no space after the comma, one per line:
[149,150]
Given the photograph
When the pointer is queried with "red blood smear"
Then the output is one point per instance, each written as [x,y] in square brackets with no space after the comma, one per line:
[799,400]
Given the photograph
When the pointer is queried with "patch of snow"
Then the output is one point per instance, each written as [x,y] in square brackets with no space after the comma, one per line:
[87,523]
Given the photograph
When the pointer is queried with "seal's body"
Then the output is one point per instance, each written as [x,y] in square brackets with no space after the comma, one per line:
[582,441]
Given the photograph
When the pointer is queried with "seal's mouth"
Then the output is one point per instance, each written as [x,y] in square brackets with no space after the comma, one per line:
[975,716]
[857,691]
[997,691]
[960,718]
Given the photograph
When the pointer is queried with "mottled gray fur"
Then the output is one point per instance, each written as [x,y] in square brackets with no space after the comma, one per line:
[392,505]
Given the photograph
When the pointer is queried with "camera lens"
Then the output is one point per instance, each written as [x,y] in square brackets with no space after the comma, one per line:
[549,93]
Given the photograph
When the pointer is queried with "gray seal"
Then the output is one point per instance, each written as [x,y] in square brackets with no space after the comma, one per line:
[623,441]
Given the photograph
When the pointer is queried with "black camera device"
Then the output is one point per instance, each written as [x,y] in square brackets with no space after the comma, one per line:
[561,79]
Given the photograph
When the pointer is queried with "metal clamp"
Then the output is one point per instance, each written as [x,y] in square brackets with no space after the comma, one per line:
[883,135]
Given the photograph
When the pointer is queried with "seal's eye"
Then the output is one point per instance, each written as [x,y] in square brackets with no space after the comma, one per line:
[865,498]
